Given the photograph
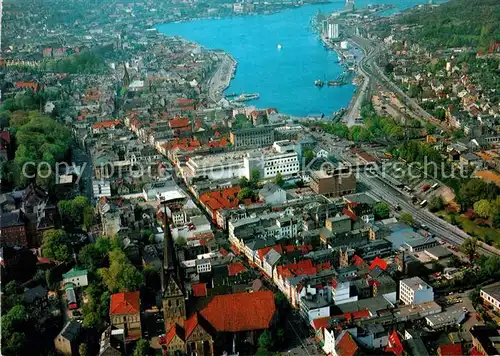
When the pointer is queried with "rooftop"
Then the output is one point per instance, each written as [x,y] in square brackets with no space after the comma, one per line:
[415,283]
[240,312]
[124,303]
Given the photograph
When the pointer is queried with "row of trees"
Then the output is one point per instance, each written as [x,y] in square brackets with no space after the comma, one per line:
[451,24]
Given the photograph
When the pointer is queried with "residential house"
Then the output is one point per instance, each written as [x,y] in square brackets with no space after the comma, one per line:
[67,341]
[272,194]
[125,313]
[76,276]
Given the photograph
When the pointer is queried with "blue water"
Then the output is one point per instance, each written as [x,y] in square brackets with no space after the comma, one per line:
[283,78]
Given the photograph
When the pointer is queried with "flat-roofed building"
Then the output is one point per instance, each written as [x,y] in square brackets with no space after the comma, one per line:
[333,183]
[491,296]
[415,291]
[252,137]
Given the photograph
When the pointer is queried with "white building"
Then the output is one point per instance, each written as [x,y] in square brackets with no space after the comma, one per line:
[415,291]
[76,276]
[270,162]
[491,296]
[333,30]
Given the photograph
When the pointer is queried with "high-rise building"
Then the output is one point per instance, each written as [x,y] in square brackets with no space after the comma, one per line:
[333,30]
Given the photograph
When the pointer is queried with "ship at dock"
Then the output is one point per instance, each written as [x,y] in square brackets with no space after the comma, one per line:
[246,97]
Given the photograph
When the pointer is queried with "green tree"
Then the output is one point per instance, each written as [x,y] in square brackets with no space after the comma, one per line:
[245,193]
[279,179]
[243,182]
[55,244]
[454,261]
[381,210]
[496,220]
[472,191]
[406,218]
[121,274]
[469,248]
[265,340]
[436,203]
[76,213]
[83,350]
[142,348]
[254,177]
[483,208]
[475,297]
[308,155]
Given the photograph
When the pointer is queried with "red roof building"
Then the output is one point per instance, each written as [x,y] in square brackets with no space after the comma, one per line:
[394,344]
[378,262]
[240,312]
[235,268]
[124,303]
[220,199]
[450,350]
[346,346]
[199,289]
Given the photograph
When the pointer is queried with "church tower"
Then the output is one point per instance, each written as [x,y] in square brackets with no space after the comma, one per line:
[174,305]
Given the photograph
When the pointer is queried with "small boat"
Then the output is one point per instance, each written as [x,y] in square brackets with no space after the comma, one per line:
[319,83]
[278,46]
[335,83]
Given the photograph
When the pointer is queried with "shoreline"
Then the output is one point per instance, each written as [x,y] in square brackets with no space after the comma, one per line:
[221,79]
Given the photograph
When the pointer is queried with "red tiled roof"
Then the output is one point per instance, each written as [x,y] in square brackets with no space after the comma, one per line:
[361,314]
[240,312]
[357,261]
[199,289]
[223,251]
[221,199]
[321,323]
[352,215]
[105,124]
[475,352]
[263,251]
[450,350]
[190,324]
[178,123]
[235,268]
[394,345]
[183,101]
[124,303]
[378,262]
[174,330]
[346,345]
[27,85]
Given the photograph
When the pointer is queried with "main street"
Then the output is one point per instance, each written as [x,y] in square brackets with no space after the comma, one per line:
[440,228]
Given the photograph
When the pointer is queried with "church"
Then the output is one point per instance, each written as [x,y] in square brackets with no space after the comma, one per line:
[226,323]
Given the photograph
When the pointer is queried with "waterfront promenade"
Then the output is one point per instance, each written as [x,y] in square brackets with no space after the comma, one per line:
[222,77]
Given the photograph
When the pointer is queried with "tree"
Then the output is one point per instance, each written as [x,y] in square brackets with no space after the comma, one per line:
[454,261]
[142,348]
[55,244]
[406,218]
[265,340]
[496,221]
[472,191]
[254,177]
[76,213]
[436,203]
[245,193]
[243,182]
[469,248]
[475,297]
[83,350]
[381,210]
[483,208]
[279,179]
[121,274]
[308,155]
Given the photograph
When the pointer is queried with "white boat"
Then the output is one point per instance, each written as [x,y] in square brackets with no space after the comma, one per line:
[278,46]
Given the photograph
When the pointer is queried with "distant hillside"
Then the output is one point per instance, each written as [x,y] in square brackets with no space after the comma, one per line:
[457,23]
